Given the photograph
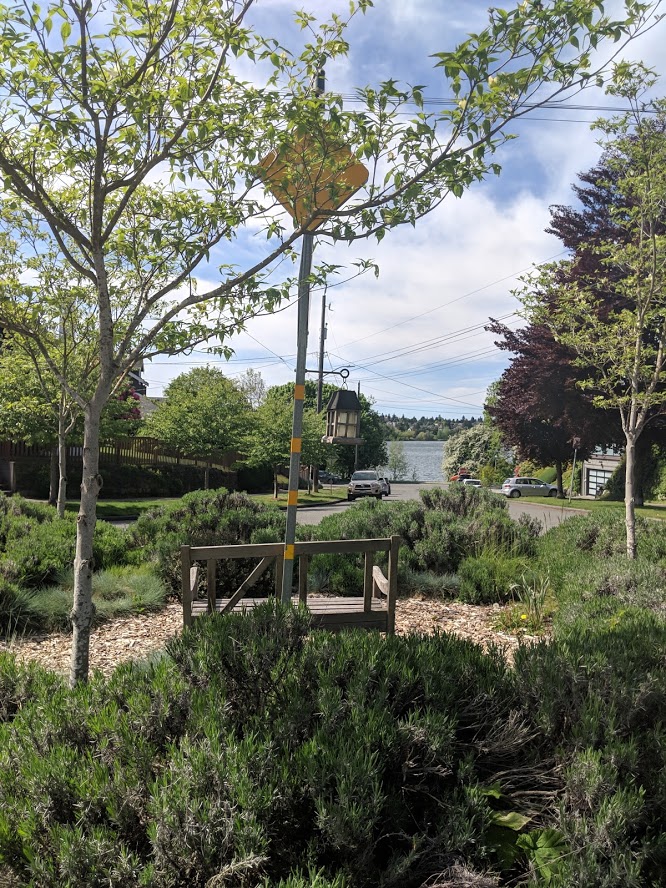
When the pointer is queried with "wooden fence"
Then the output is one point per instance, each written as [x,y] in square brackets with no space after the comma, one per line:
[139,451]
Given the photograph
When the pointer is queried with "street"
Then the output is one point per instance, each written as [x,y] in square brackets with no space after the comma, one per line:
[550,513]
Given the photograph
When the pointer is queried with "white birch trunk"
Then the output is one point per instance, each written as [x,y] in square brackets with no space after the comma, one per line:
[53,477]
[83,608]
[629,494]
[62,466]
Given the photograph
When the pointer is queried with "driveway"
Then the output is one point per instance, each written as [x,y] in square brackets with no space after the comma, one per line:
[549,515]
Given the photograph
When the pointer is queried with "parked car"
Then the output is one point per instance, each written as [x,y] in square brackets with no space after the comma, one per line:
[386,486]
[472,482]
[328,477]
[364,483]
[527,487]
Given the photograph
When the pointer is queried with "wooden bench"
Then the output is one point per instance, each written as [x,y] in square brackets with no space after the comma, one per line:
[373,609]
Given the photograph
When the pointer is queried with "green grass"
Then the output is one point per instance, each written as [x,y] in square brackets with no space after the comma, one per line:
[651,510]
[325,495]
[127,508]
[123,508]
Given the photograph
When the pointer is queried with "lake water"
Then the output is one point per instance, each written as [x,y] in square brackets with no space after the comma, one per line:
[424,460]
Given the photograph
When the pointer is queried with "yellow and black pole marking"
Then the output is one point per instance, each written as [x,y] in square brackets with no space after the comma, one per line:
[297,423]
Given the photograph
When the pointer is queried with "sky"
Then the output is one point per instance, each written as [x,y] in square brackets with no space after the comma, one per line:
[413,337]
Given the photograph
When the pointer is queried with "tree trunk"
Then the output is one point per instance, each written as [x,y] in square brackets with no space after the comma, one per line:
[276,486]
[62,467]
[53,477]
[206,477]
[558,479]
[83,608]
[629,494]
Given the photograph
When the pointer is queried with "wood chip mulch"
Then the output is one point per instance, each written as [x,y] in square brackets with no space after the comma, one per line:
[135,637]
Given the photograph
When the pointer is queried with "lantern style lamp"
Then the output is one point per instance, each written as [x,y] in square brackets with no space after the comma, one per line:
[343,418]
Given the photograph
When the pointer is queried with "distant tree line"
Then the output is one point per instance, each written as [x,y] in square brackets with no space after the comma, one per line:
[424,428]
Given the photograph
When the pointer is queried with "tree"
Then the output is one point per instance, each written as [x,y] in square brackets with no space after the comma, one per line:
[203,413]
[621,346]
[252,385]
[474,447]
[341,458]
[538,406]
[34,409]
[269,442]
[397,461]
[128,135]
[66,339]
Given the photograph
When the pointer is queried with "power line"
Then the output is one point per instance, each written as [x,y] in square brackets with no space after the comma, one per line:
[417,388]
[451,302]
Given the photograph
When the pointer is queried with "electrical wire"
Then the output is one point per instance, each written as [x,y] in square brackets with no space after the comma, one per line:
[452,301]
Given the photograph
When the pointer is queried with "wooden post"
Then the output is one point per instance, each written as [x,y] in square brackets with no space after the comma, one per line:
[186,588]
[393,583]
[211,576]
[367,582]
[303,563]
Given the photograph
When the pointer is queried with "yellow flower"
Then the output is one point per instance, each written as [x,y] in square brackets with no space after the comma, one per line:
[523,616]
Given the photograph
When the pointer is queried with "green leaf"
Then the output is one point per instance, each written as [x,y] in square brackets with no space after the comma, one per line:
[65,31]
[510,820]
[545,848]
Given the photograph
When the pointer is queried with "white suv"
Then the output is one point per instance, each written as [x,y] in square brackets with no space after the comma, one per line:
[364,483]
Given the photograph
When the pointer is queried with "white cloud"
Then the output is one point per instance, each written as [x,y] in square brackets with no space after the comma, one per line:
[457,268]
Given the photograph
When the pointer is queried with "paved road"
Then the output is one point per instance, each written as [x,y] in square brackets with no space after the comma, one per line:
[549,514]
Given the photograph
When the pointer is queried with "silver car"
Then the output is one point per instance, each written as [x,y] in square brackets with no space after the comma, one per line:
[527,487]
[364,483]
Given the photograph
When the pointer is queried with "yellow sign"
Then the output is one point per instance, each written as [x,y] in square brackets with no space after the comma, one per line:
[312,174]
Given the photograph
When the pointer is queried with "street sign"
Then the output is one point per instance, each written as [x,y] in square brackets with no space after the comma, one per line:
[312,174]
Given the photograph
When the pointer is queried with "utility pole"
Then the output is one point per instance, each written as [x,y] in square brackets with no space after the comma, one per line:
[320,368]
[297,423]
[299,397]
[356,446]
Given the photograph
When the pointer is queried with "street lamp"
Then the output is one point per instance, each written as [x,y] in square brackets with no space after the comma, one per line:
[343,418]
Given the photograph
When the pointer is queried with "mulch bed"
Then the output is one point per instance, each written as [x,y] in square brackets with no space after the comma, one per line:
[134,638]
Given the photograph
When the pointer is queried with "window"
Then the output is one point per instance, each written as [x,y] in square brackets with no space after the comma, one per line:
[596,478]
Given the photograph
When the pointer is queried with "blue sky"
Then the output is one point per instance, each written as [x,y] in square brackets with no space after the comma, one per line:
[413,338]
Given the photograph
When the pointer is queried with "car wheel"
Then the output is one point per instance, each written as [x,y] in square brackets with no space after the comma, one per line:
[514,494]
[378,496]
[552,493]
[350,497]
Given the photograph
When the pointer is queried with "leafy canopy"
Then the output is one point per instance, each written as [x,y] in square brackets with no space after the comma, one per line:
[203,413]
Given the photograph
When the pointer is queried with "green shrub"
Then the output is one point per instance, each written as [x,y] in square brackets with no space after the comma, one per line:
[598,695]
[444,544]
[489,578]
[117,592]
[570,548]
[37,545]
[21,685]
[436,535]
[207,518]
[260,752]
[36,552]
[462,500]
[411,582]
[17,611]
[601,591]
